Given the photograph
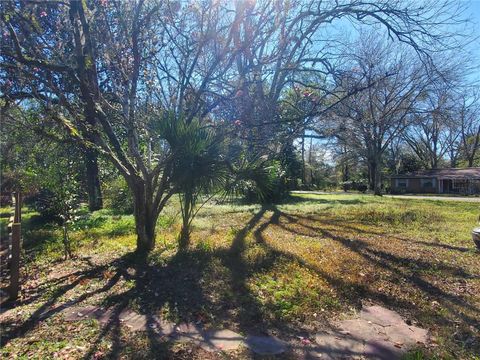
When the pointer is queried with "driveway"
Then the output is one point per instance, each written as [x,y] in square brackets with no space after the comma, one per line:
[447,198]
[419,197]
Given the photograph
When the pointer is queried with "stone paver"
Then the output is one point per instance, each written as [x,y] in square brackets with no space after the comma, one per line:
[136,322]
[225,340]
[382,350]
[187,332]
[406,335]
[362,329]
[338,346]
[380,316]
[81,313]
[162,327]
[378,333]
[265,345]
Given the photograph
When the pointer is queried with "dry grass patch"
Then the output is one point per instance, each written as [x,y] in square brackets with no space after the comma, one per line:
[291,269]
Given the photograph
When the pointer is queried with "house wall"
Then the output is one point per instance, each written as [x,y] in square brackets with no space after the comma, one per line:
[447,186]
[415,185]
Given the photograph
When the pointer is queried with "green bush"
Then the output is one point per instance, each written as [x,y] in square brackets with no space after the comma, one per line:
[118,197]
[262,181]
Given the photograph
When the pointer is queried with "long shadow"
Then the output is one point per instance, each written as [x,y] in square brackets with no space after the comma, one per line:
[395,265]
[47,309]
[145,277]
[177,285]
[174,288]
[346,224]
[412,263]
[249,309]
[305,198]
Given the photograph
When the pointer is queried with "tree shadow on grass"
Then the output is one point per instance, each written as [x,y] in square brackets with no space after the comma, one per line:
[406,269]
[306,198]
[177,287]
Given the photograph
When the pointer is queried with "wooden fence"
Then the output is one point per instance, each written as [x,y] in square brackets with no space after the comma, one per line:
[10,248]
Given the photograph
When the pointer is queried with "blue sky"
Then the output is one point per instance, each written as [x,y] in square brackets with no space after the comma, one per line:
[473,11]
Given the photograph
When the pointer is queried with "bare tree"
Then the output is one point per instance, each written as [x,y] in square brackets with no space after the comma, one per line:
[370,120]
[432,134]
[110,71]
[469,120]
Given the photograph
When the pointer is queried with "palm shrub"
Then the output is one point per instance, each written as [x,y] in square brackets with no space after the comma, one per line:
[259,179]
[199,168]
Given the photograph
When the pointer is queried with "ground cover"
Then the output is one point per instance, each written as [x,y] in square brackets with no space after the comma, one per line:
[289,270]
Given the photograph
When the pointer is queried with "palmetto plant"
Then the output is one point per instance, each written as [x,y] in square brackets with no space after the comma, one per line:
[199,169]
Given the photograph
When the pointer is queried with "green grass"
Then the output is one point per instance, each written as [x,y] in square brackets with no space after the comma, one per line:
[292,268]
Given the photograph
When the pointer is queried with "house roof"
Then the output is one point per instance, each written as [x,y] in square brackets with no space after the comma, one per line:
[451,173]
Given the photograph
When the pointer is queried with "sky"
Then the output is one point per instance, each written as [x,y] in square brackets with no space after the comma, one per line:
[473,11]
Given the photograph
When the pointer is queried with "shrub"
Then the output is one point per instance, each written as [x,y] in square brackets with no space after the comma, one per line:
[44,202]
[263,182]
[118,196]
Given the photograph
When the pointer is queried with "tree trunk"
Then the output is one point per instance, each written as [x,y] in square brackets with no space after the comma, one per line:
[378,181]
[371,175]
[95,201]
[145,219]
[346,176]
[187,210]
[303,158]
[377,175]
[470,161]
[66,242]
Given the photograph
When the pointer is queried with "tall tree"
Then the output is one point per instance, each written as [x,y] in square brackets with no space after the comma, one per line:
[433,133]
[469,120]
[92,65]
[370,120]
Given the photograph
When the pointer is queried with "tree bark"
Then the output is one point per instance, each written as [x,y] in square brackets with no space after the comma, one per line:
[187,211]
[376,174]
[145,219]
[95,200]
[378,181]
[371,175]
[303,158]
[346,176]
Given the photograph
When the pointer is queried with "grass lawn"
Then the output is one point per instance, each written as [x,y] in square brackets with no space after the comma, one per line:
[289,269]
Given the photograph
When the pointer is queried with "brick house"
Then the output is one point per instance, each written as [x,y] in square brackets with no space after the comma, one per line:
[440,181]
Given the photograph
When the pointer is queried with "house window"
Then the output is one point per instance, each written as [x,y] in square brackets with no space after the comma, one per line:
[428,183]
[402,183]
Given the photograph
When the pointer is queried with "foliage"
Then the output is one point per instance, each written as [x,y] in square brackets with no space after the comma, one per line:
[102,70]
[293,267]
[260,180]
[118,197]
[59,199]
[354,185]
[198,167]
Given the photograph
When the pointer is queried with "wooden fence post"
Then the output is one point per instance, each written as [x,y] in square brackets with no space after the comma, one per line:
[16,243]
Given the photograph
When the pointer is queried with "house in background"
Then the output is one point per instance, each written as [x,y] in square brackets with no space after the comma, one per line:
[441,181]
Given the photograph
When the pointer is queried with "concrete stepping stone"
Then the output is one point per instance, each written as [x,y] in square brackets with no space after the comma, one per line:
[382,350]
[362,329]
[223,340]
[265,345]
[136,322]
[380,316]
[162,327]
[187,332]
[406,335]
[379,333]
[81,313]
[338,346]
[129,318]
